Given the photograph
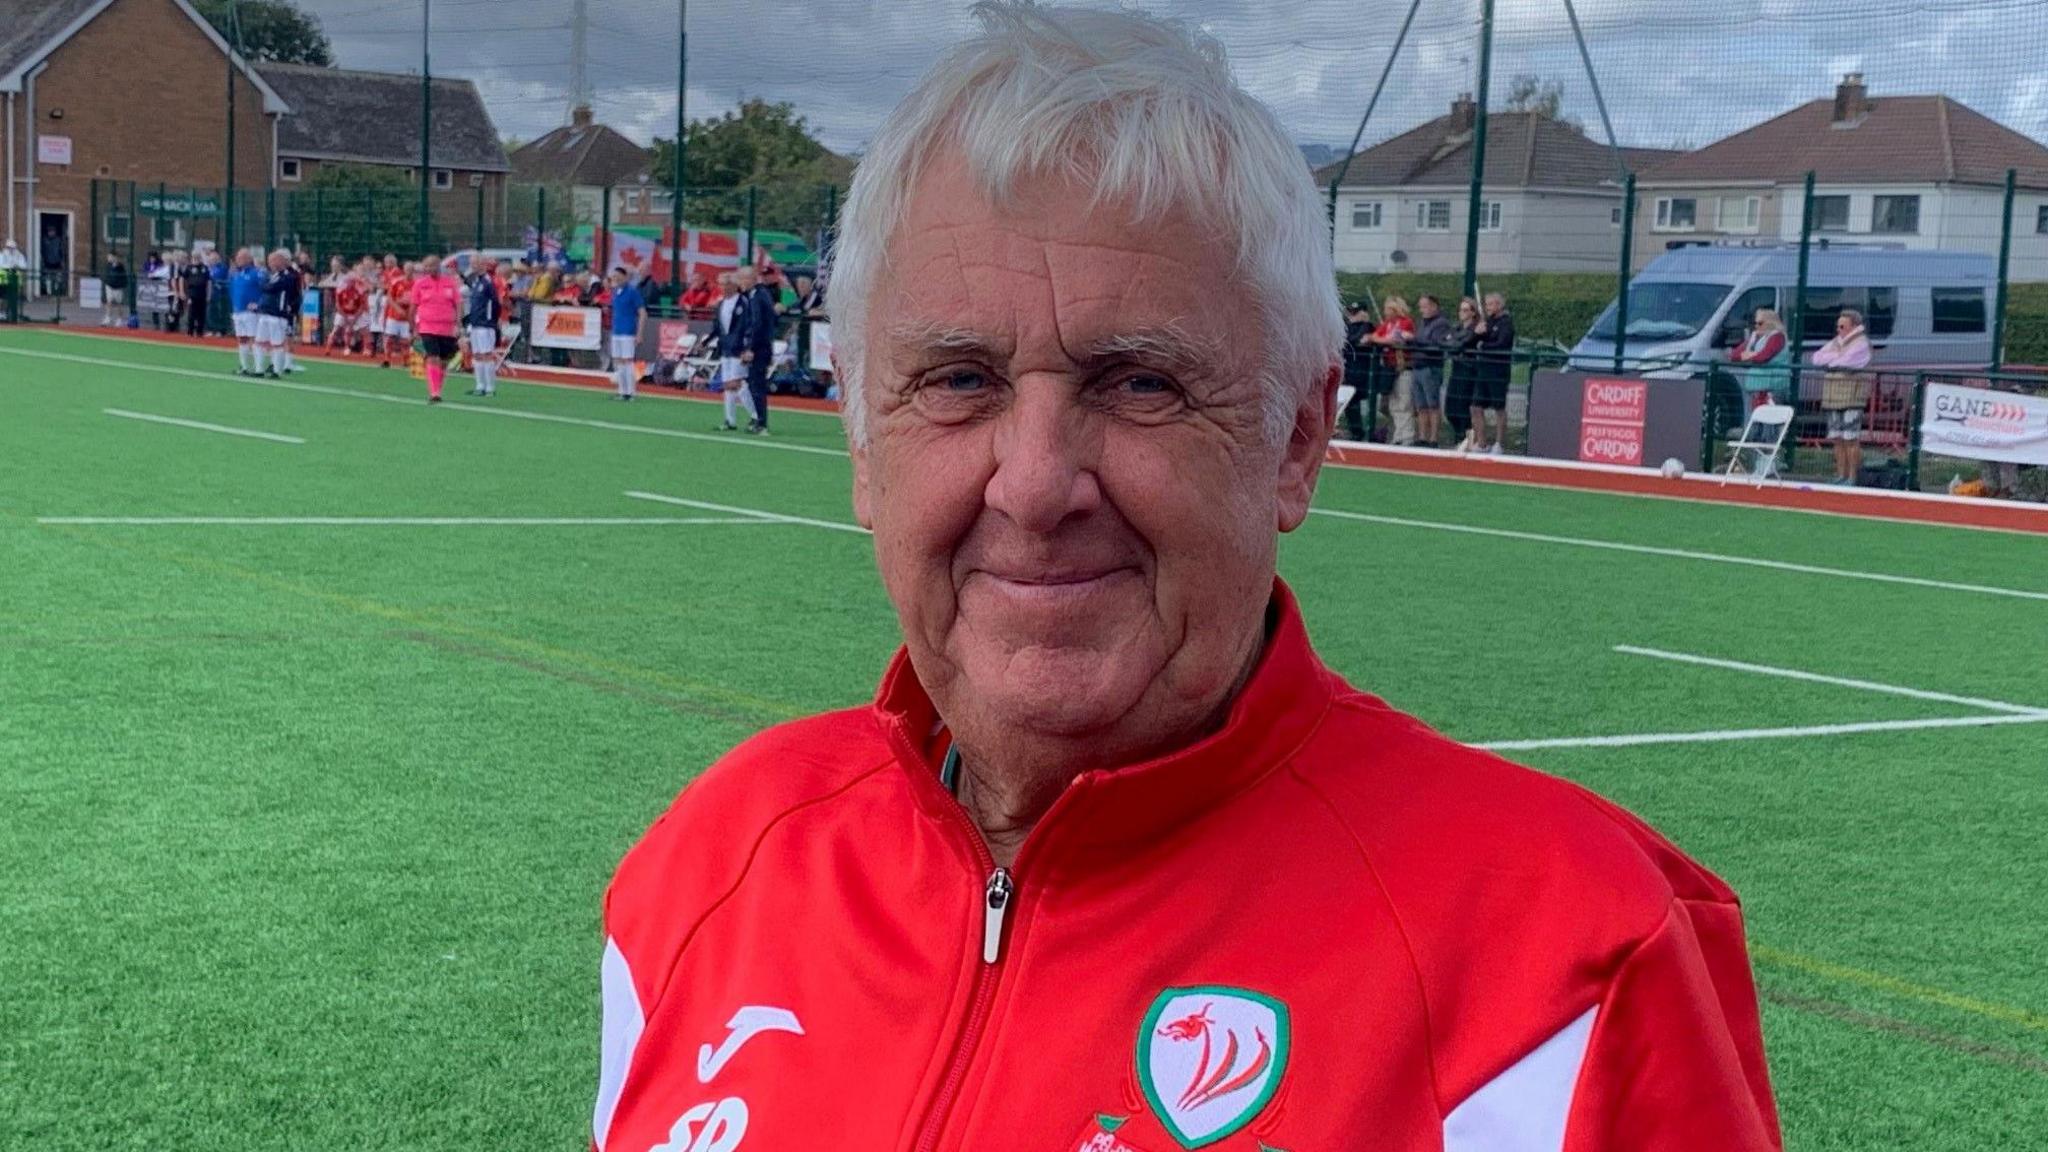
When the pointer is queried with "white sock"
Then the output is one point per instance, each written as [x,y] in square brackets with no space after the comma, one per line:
[242,355]
[262,357]
[284,357]
[747,398]
[625,378]
[732,400]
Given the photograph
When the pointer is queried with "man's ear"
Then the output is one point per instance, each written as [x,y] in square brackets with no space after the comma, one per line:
[1315,417]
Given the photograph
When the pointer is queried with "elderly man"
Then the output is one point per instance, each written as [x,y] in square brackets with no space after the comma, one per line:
[1113,862]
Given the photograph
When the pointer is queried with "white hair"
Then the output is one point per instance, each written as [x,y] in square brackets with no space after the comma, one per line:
[1143,109]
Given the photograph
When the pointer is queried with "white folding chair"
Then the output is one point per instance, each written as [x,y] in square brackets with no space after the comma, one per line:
[1763,435]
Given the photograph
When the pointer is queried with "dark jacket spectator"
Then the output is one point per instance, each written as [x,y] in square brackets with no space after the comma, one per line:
[1432,334]
[755,321]
[117,274]
[1497,348]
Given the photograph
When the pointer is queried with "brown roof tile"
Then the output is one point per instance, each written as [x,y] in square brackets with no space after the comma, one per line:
[1523,150]
[1910,139]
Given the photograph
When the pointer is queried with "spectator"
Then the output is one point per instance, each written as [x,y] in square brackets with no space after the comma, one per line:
[1358,357]
[56,277]
[1394,335]
[1461,345]
[1496,332]
[174,275]
[541,289]
[1766,356]
[218,312]
[115,293]
[1431,331]
[197,288]
[1845,391]
[810,306]
[699,295]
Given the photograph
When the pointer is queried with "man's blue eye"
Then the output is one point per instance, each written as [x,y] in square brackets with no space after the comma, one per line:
[1145,384]
[965,381]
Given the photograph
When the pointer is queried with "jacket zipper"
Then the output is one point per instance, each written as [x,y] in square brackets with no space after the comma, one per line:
[997,894]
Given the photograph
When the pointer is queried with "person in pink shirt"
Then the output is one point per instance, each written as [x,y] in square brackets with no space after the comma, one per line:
[435,301]
[1845,391]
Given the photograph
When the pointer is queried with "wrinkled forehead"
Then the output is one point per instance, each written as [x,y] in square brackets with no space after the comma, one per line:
[1049,251]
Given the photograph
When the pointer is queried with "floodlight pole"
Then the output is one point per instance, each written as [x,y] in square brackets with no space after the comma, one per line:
[675,202]
[426,116]
[1475,201]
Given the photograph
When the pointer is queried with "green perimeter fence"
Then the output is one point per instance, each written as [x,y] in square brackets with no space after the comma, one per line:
[133,218]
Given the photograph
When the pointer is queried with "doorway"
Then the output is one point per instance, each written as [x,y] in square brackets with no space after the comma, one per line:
[53,252]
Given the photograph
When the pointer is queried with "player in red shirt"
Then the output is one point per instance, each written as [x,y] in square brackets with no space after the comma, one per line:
[1113,862]
[397,309]
[351,303]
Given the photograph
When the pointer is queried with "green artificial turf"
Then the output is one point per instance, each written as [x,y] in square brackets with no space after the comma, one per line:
[303,828]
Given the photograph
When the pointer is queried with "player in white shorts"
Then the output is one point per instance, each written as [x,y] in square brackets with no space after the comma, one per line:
[486,312]
[245,288]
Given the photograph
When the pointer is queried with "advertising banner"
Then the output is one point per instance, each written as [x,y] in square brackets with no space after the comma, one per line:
[578,329]
[91,293]
[1979,424]
[1611,417]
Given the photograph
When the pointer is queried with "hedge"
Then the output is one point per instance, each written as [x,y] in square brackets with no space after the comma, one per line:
[1560,306]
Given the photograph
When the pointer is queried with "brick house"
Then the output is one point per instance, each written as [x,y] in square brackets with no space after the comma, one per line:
[101,89]
[1552,201]
[347,116]
[1919,171]
[582,159]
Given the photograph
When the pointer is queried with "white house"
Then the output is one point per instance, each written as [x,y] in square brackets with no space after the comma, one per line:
[1910,171]
[1552,197]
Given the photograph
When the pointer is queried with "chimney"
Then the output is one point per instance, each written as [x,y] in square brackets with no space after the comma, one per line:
[1852,100]
[1464,113]
[579,116]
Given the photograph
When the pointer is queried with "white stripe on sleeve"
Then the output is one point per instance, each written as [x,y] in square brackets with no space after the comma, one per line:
[623,1023]
[1524,1109]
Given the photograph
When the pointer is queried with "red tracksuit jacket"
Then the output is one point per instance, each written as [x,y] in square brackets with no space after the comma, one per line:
[1323,928]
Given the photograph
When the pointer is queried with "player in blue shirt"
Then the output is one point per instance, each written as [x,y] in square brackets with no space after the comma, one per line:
[627,309]
[245,289]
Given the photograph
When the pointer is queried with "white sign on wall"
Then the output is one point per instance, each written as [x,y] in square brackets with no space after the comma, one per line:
[53,150]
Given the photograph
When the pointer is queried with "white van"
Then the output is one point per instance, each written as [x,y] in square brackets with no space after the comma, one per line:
[1690,306]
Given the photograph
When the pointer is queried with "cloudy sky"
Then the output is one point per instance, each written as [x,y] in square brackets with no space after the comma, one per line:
[1672,71]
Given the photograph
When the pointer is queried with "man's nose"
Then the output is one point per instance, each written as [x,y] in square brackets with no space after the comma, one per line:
[1046,448]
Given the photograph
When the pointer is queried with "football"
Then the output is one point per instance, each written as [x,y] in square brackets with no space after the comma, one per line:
[1672,468]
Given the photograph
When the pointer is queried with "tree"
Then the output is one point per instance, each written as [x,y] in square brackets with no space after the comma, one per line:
[1534,94]
[271,30]
[763,145]
[357,209]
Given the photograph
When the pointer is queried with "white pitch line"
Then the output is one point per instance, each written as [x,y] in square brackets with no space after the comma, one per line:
[452,406]
[401,521]
[1686,554]
[202,426]
[1841,681]
[1639,739]
[763,515]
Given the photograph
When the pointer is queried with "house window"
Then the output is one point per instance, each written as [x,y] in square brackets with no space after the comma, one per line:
[1433,215]
[1614,216]
[1677,214]
[632,200]
[476,179]
[2041,219]
[1895,215]
[1958,309]
[1830,213]
[1740,213]
[288,171]
[1365,216]
[166,231]
[661,202]
[117,228]
[1489,216]
[443,179]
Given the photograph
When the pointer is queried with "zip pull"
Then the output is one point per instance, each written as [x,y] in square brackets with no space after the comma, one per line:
[996,907]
